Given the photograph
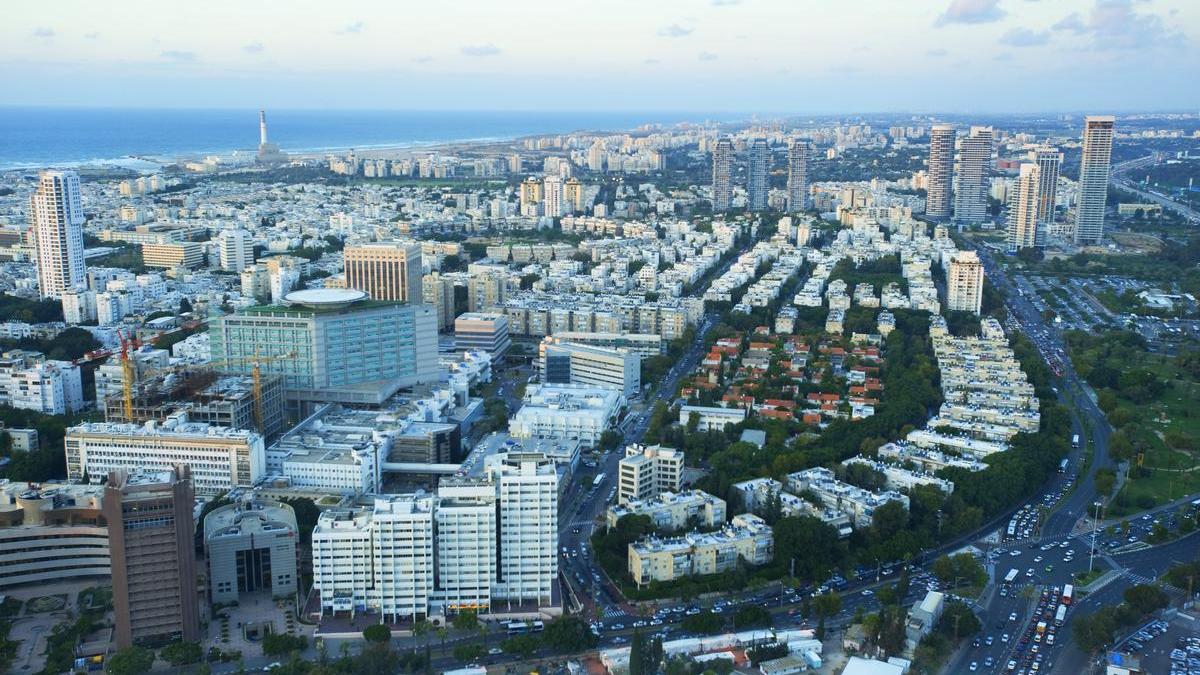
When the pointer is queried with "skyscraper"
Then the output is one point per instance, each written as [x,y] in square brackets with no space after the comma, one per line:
[1049,161]
[385,270]
[941,171]
[56,212]
[1093,178]
[797,182]
[975,156]
[756,183]
[236,249]
[722,175]
[1023,221]
[964,283]
[150,532]
[552,201]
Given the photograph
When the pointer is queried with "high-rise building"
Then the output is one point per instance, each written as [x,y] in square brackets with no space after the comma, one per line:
[236,249]
[1023,215]
[484,331]
[722,175]
[1093,178]
[486,290]
[385,270]
[757,186]
[251,546]
[332,345]
[974,160]
[438,292]
[150,539]
[570,363]
[466,542]
[552,197]
[941,171]
[573,196]
[646,471]
[531,196]
[797,182]
[56,215]
[1049,163]
[527,486]
[964,283]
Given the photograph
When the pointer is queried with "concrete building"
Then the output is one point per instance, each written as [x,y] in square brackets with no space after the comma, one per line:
[183,254]
[31,382]
[711,418]
[722,175]
[1093,178]
[648,471]
[757,186]
[797,177]
[567,411]
[220,458]
[236,249]
[482,331]
[486,291]
[332,346]
[964,283]
[527,486]
[672,511]
[1049,162]
[643,344]
[251,547]
[56,218]
[974,164]
[746,538]
[389,271]
[923,617]
[561,362]
[438,291]
[860,504]
[51,532]
[150,535]
[1024,221]
[939,195]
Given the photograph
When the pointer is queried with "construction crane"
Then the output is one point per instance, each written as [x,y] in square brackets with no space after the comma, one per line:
[128,372]
[256,378]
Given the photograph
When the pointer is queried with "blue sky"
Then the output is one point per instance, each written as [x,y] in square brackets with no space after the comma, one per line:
[802,56]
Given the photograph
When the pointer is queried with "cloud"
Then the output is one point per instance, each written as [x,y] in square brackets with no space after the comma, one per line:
[1072,22]
[44,33]
[253,48]
[725,3]
[1115,25]
[651,62]
[674,31]
[480,50]
[708,56]
[91,36]
[351,29]
[178,56]
[1024,37]
[422,59]
[971,11]
[1003,57]
[936,52]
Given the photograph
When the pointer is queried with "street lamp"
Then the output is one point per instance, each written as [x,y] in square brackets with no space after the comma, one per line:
[1095,525]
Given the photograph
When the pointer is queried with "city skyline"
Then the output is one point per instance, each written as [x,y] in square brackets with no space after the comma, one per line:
[686,56]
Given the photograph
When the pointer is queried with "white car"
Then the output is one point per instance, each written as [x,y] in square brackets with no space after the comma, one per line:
[974,666]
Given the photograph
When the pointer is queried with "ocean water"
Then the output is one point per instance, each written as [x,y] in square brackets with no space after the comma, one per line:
[35,137]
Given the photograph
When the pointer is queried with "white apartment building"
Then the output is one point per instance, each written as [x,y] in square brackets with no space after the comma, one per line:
[527,485]
[567,411]
[402,556]
[860,504]
[220,458]
[31,382]
[467,524]
[647,471]
[747,537]
[562,362]
[671,511]
[711,418]
[56,214]
[964,283]
[236,250]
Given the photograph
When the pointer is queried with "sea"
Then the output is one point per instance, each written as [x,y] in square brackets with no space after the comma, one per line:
[40,137]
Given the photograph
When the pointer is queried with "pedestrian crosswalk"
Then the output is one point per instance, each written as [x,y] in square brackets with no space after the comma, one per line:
[612,613]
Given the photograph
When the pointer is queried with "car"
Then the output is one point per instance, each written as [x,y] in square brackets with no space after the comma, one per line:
[989,662]
[1049,569]
[1038,559]
[618,626]
[272,666]
[1012,616]
[989,641]
[867,591]
[495,650]
[1004,638]
[1029,572]
[1015,553]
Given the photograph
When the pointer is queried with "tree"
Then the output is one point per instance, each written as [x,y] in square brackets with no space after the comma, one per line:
[130,661]
[377,633]
[827,604]
[468,653]
[181,653]
[278,644]
[751,616]
[421,628]
[568,634]
[466,620]
[185,306]
[704,622]
[1146,598]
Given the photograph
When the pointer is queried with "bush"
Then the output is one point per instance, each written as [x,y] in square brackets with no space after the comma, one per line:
[278,644]
[377,633]
[704,622]
[182,653]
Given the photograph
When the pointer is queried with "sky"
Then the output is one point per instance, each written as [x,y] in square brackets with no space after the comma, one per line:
[767,56]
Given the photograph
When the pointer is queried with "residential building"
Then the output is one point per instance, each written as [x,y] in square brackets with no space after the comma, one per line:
[251,547]
[1024,221]
[438,291]
[797,178]
[236,249]
[756,179]
[1093,178]
[939,193]
[974,162]
[710,418]
[567,411]
[860,504]
[482,331]
[563,362]
[388,271]
[527,485]
[923,618]
[672,511]
[28,380]
[1049,162]
[56,218]
[332,345]
[746,538]
[220,458]
[486,291]
[51,532]
[645,345]
[647,471]
[467,524]
[722,175]
[964,283]
[168,255]
[552,197]
[151,542]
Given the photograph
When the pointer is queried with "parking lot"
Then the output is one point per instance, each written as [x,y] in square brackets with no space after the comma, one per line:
[1165,646]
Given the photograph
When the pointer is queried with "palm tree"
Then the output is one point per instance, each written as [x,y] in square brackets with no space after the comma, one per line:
[441,633]
[421,627]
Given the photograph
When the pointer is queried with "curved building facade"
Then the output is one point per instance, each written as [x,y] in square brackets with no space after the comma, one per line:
[51,532]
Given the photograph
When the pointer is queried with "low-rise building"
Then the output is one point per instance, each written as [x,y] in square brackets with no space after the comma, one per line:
[833,493]
[647,471]
[567,411]
[670,511]
[711,418]
[568,363]
[251,547]
[746,538]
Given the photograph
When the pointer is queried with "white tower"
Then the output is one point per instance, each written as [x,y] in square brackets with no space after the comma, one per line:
[56,211]
[262,127]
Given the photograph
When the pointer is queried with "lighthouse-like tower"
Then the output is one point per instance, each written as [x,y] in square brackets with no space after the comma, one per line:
[268,153]
[262,127]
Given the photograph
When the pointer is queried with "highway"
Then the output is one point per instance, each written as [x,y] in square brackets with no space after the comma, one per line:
[1117,177]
